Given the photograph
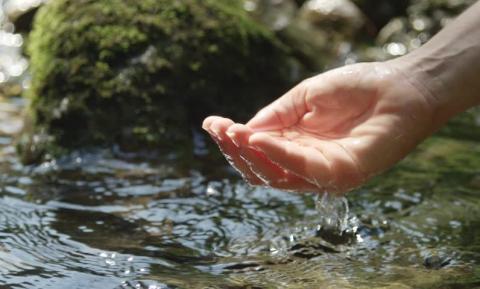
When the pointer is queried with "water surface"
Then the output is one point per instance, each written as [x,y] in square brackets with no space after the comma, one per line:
[101,219]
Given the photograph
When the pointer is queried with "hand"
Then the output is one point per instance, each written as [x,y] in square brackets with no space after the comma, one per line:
[331,132]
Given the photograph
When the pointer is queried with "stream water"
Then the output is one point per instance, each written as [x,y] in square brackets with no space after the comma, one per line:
[111,220]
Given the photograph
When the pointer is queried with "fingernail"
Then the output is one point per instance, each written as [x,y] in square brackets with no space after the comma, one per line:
[255,148]
[214,134]
[231,135]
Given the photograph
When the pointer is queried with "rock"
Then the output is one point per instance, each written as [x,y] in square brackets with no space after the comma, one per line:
[380,12]
[141,73]
[21,13]
[436,262]
[322,32]
[276,14]
[342,15]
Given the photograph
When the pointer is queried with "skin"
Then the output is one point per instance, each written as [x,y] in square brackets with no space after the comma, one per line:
[335,131]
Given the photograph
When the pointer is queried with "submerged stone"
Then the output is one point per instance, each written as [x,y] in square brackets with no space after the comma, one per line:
[436,262]
[141,73]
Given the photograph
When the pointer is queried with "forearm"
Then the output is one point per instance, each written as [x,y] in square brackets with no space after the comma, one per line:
[447,68]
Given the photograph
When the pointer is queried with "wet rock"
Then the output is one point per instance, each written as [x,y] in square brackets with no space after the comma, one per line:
[436,262]
[141,73]
[334,238]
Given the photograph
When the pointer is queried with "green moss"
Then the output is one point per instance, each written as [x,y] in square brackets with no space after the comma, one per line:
[140,73]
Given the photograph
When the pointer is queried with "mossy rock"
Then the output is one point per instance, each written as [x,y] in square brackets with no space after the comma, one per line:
[141,73]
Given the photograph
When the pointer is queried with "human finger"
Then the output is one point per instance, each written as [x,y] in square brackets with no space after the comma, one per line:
[304,161]
[265,169]
[217,127]
[283,112]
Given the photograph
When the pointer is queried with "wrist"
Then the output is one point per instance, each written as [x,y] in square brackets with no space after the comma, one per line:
[435,81]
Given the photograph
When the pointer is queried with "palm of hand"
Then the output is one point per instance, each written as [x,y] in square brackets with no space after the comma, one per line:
[332,132]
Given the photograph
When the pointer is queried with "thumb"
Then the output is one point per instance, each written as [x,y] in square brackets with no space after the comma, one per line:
[283,112]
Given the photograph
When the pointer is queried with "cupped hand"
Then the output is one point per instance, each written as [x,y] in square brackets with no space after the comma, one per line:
[332,132]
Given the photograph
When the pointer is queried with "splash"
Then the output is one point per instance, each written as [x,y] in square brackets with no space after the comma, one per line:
[334,227]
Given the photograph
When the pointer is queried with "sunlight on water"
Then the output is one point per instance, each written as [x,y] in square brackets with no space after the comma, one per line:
[333,225]
[115,220]
[334,214]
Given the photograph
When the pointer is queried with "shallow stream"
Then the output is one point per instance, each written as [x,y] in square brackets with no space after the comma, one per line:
[114,220]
